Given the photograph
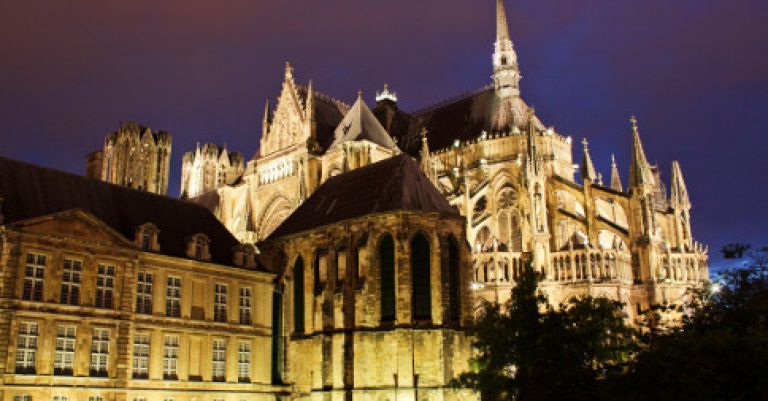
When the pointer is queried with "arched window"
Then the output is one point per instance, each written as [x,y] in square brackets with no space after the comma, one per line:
[421,298]
[298,296]
[454,286]
[277,334]
[387,272]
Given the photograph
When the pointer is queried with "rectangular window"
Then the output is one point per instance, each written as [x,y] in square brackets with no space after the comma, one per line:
[23,397]
[33,277]
[64,357]
[245,305]
[144,293]
[100,352]
[95,398]
[26,347]
[171,357]
[141,356]
[219,365]
[105,286]
[173,297]
[70,282]
[244,362]
[60,398]
[146,240]
[220,303]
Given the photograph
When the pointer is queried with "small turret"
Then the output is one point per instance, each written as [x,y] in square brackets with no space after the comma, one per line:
[640,174]
[679,192]
[425,158]
[587,167]
[615,177]
[533,154]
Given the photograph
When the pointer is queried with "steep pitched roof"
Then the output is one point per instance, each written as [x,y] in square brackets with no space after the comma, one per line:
[463,118]
[393,184]
[360,124]
[30,191]
[328,114]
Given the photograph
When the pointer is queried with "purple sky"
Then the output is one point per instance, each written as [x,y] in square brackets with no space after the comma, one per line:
[695,72]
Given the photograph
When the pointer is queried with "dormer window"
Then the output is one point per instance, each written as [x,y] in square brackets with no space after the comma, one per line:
[244,256]
[198,247]
[146,237]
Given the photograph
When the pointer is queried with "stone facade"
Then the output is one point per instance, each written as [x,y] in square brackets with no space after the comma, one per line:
[512,177]
[93,310]
[377,302]
[135,157]
[209,167]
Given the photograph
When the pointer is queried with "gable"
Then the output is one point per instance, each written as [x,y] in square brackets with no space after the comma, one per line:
[77,224]
[287,127]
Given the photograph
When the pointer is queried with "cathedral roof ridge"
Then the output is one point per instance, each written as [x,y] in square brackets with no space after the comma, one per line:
[325,97]
[453,99]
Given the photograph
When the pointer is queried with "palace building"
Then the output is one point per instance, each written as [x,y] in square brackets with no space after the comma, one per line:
[109,293]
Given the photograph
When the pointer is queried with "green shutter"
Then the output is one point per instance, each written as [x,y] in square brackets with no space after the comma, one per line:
[387,272]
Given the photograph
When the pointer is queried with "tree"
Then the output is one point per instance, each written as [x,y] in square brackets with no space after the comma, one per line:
[720,350]
[528,350]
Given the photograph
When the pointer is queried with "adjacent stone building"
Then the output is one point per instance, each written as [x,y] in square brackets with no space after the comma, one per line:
[511,176]
[111,294]
[135,157]
[376,278]
[209,167]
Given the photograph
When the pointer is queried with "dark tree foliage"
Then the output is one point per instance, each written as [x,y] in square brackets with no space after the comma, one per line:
[721,349]
[528,350]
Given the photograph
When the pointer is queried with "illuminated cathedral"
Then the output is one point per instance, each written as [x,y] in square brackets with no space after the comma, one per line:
[342,262]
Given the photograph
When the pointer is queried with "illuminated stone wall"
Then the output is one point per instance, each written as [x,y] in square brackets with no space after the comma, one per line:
[346,348]
[53,245]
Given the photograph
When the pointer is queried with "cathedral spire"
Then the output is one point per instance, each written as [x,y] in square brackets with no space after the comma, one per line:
[506,74]
[502,29]
[640,173]
[587,167]
[679,190]
[615,177]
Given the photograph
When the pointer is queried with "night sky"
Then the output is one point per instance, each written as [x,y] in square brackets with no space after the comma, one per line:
[695,72]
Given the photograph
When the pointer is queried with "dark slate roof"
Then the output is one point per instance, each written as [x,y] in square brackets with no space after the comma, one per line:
[463,118]
[360,124]
[31,191]
[393,184]
[328,115]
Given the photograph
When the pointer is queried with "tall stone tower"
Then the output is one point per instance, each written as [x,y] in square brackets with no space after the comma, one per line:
[134,157]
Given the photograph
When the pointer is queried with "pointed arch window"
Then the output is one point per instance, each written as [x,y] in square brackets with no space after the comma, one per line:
[387,272]
[298,296]
[421,297]
[454,281]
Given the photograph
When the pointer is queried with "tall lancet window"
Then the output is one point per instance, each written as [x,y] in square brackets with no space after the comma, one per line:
[298,296]
[421,300]
[387,275]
